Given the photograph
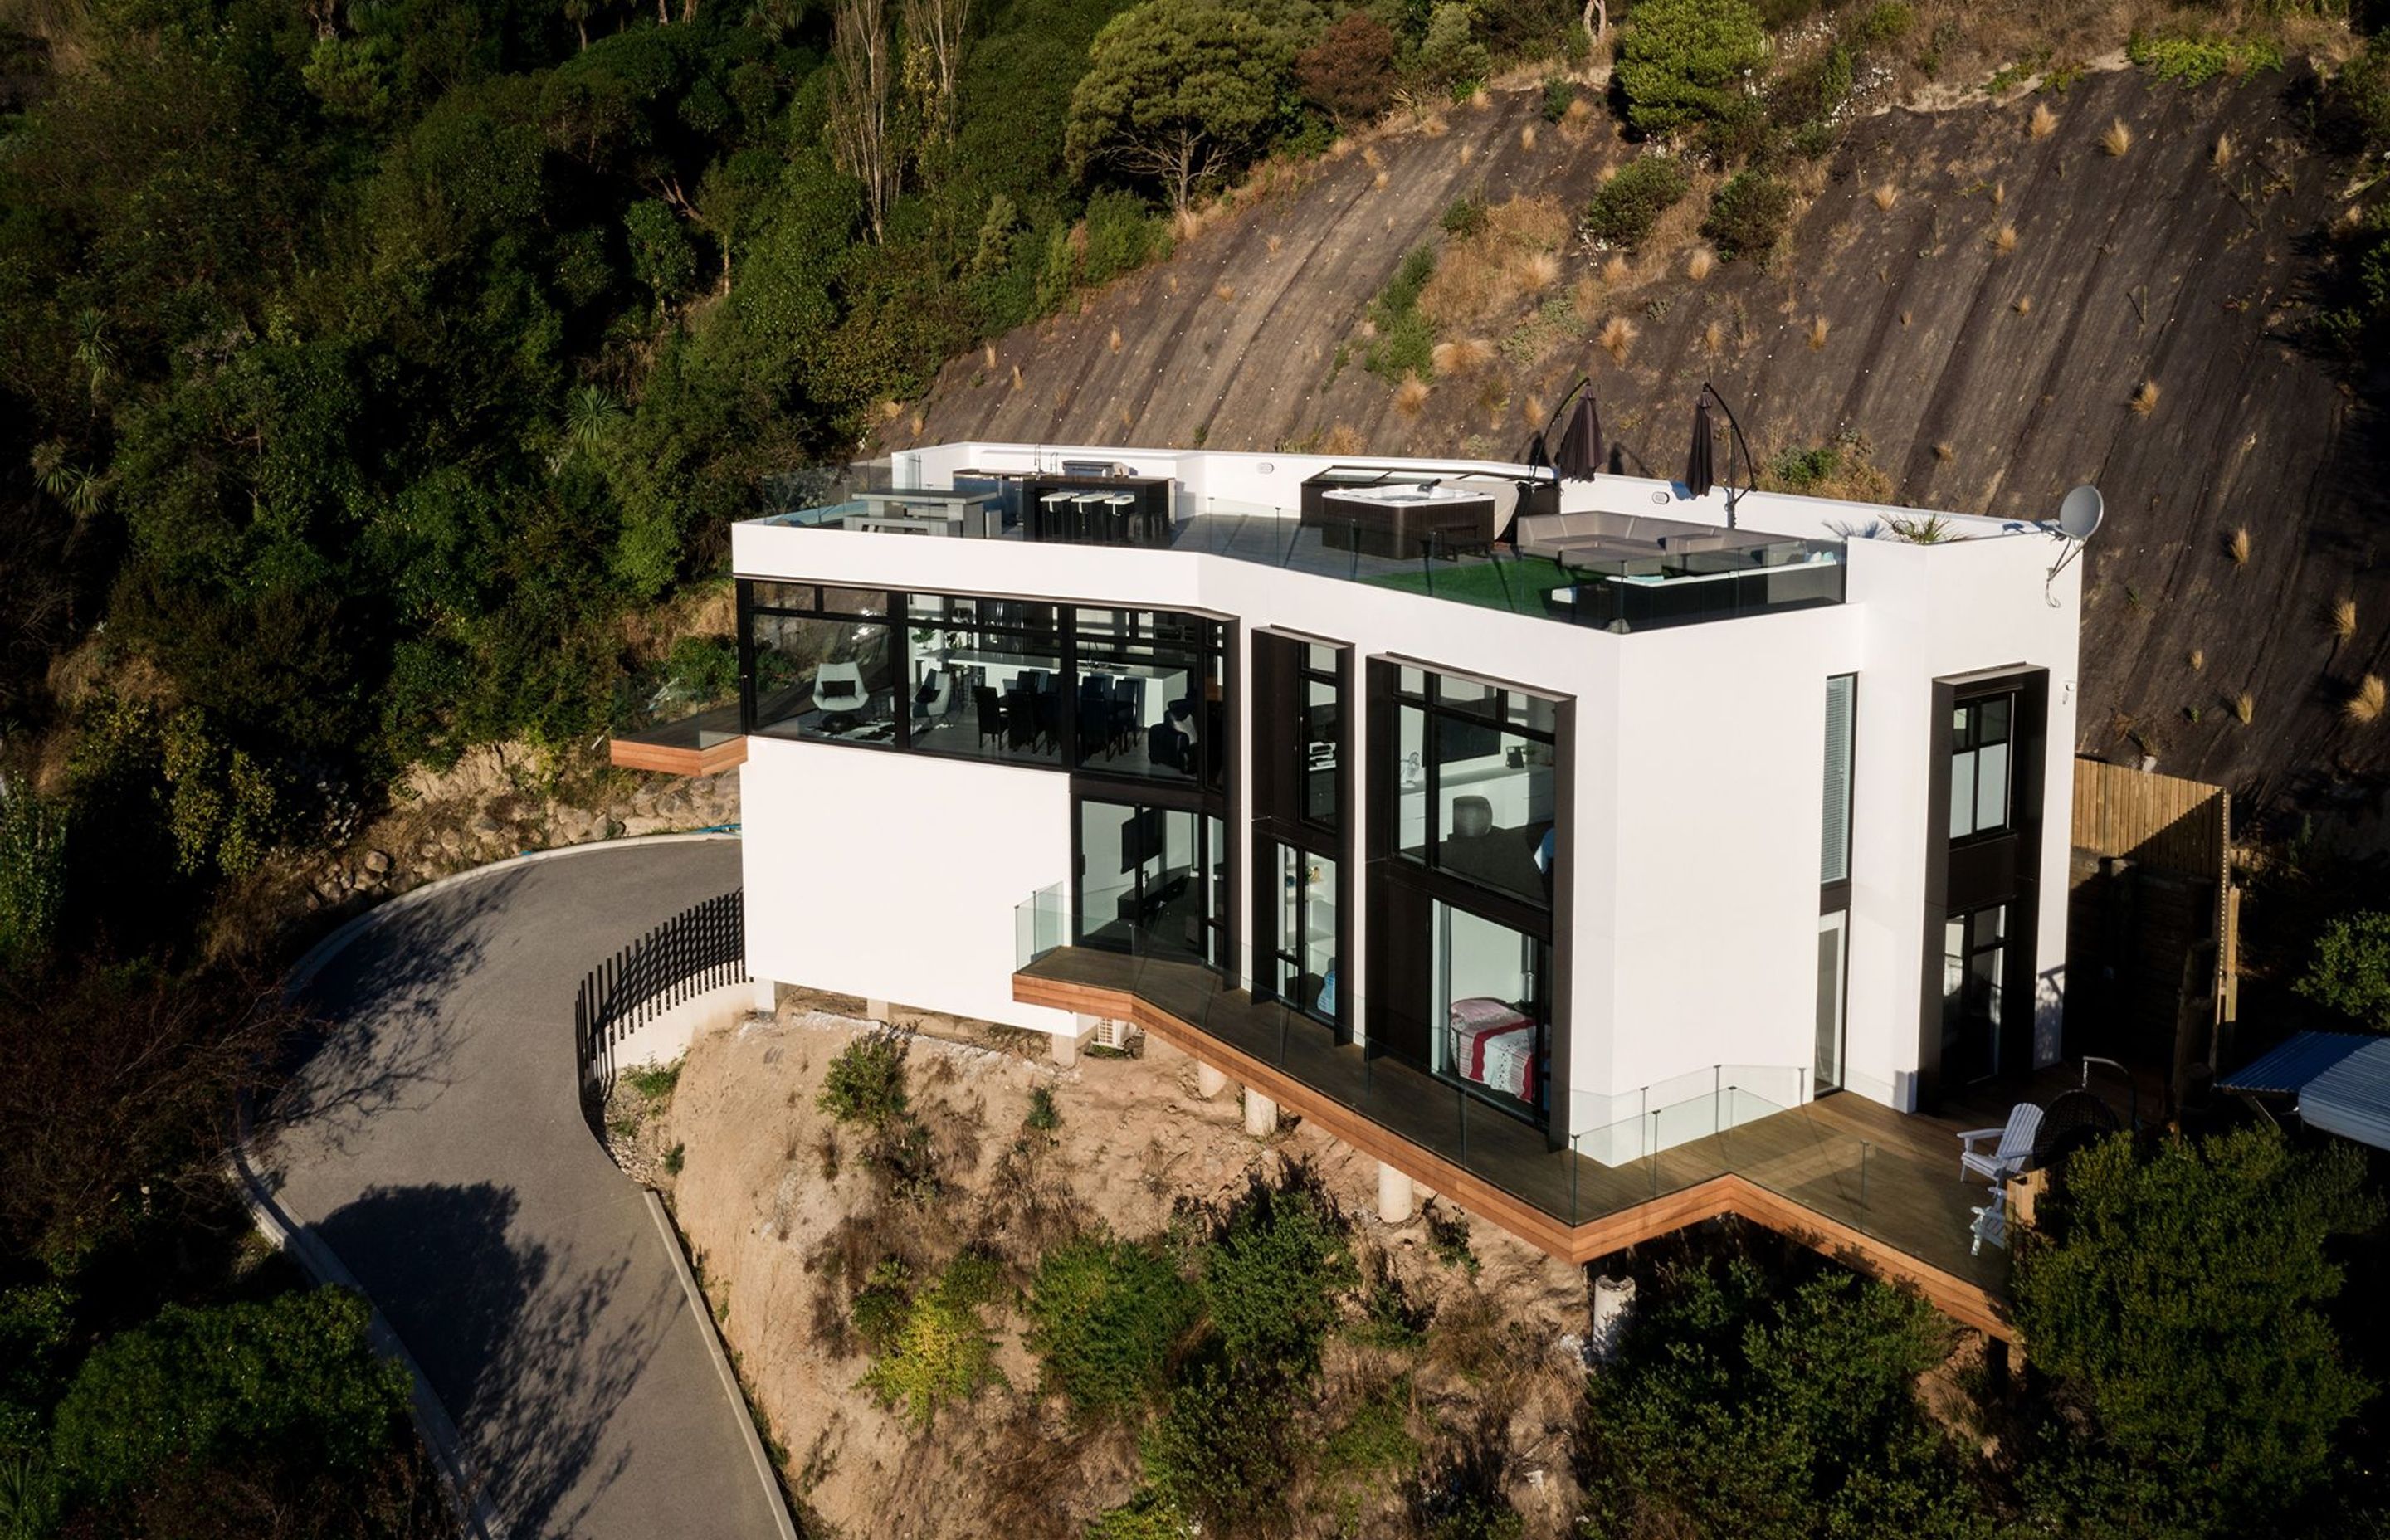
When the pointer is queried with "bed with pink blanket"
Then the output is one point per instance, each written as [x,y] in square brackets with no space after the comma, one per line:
[1495,1046]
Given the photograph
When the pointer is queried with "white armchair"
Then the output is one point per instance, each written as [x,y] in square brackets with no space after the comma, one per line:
[935,697]
[839,687]
[2009,1157]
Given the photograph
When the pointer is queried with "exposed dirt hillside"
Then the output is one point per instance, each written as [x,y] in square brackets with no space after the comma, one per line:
[787,1218]
[1983,372]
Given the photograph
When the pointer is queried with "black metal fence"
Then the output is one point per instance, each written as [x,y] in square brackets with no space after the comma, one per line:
[701,948]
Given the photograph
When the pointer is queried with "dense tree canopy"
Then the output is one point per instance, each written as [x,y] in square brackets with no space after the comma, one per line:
[1180,91]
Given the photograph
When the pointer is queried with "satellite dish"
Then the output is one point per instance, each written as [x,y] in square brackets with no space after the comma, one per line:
[2079,515]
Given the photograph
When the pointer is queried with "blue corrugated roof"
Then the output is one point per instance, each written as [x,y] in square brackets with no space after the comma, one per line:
[2287,1070]
[2352,1099]
[2342,1080]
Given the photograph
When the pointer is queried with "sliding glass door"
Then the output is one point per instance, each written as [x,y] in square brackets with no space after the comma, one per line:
[1151,880]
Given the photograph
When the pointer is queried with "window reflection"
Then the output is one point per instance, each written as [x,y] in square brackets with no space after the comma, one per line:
[1152,696]
[985,677]
[1474,785]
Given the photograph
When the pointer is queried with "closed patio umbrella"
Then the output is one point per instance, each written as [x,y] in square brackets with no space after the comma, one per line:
[1700,474]
[1580,453]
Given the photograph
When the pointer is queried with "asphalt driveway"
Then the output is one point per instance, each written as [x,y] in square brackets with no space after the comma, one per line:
[433,1142]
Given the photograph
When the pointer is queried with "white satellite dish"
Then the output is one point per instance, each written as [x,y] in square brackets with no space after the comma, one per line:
[2079,514]
[2078,519]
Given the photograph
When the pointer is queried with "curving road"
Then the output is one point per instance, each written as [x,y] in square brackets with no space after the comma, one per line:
[433,1142]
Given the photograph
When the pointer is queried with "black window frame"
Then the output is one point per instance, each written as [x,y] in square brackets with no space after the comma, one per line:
[1438,714]
[1967,739]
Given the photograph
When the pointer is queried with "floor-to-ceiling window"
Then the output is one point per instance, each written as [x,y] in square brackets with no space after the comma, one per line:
[986,678]
[1974,955]
[1154,880]
[1834,884]
[1151,695]
[817,662]
[1468,846]
[1302,876]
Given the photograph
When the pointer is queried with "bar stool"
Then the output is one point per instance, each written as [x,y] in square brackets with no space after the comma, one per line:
[1054,516]
[1118,520]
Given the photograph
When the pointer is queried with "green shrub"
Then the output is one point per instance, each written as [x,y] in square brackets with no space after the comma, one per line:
[1559,97]
[654,1082]
[703,669]
[878,1309]
[2362,89]
[2179,1290]
[2190,61]
[34,1319]
[2350,971]
[1802,104]
[1448,1237]
[1450,55]
[866,1082]
[1801,469]
[293,1372]
[1121,237]
[1625,207]
[675,1158]
[1146,1516]
[1747,217]
[1375,1438]
[1106,1318]
[33,873]
[939,1350]
[1885,21]
[1219,1454]
[1682,63]
[1464,218]
[1274,1273]
[1406,343]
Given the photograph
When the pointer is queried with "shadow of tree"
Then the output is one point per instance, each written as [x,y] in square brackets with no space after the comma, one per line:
[380,1037]
[533,1350]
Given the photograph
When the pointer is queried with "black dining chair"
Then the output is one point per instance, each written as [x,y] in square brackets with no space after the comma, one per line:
[991,714]
[1048,706]
[1019,719]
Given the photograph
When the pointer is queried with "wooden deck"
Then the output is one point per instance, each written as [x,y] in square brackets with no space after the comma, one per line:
[705,744]
[1874,1188]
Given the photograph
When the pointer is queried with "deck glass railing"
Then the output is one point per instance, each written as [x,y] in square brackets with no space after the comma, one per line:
[1645,595]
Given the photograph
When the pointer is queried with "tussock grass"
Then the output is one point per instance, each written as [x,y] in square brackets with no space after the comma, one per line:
[1127,422]
[1513,252]
[1016,382]
[1468,153]
[1585,299]
[1819,328]
[1462,356]
[1886,196]
[2365,702]
[987,354]
[1617,270]
[1945,453]
[2222,156]
[1225,293]
[920,423]
[1527,136]
[1906,316]
[2023,304]
[2198,658]
[1113,341]
[2236,546]
[2145,399]
[1276,244]
[2043,124]
[1410,396]
[891,410]
[1535,409]
[1379,180]
[1999,194]
[2341,618]
[1536,272]
[1435,125]
[2116,139]
[1479,99]
[2245,708]
[1698,265]
[1712,338]
[1617,335]
[1344,438]
[2004,239]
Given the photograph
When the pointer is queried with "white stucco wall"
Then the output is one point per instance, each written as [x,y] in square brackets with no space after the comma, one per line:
[1697,768]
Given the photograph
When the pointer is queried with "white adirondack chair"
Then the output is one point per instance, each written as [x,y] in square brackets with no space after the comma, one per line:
[2009,1157]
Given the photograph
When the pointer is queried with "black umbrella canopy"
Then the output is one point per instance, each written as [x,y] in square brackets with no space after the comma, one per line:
[1700,473]
[1580,453]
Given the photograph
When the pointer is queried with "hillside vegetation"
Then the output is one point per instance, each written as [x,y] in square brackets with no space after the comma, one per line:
[1966,310]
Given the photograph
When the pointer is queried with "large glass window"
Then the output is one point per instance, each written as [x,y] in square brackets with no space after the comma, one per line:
[1490,986]
[1301,967]
[1979,765]
[1833,986]
[1152,880]
[1474,782]
[1322,708]
[1151,695]
[1973,951]
[985,677]
[821,664]
[1835,858]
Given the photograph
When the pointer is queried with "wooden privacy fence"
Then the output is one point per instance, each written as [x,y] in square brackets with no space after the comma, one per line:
[2163,821]
[701,948]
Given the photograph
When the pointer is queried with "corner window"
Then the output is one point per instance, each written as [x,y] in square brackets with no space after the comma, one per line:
[820,665]
[1979,765]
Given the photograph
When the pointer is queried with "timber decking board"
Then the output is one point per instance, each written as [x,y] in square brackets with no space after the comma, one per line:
[1874,1187]
[670,761]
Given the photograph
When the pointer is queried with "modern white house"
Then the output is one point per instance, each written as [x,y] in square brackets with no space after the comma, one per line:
[1587,817]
